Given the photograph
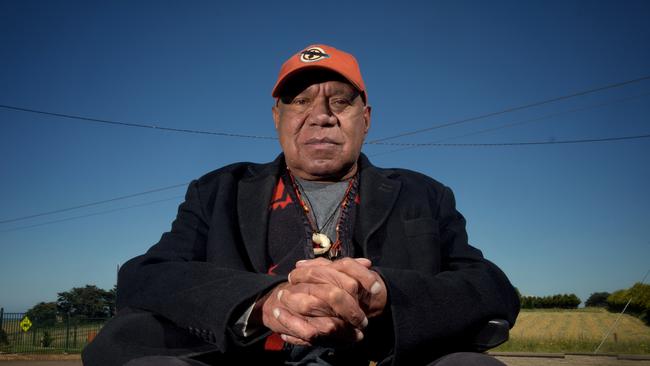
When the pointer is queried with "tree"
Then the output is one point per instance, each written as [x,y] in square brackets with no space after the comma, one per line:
[43,314]
[87,302]
[111,298]
[639,297]
[597,299]
[561,301]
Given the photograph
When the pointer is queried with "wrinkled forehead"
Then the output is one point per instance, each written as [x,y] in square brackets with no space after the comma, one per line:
[301,81]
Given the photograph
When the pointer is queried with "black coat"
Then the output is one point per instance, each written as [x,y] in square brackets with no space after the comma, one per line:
[213,262]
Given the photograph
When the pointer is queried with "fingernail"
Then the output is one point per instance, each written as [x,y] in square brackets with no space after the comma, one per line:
[289,278]
[284,337]
[375,288]
[359,334]
[276,313]
[279,295]
[365,322]
[300,262]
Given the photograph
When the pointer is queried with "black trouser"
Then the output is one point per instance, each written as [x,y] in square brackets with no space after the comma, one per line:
[453,359]
[140,338]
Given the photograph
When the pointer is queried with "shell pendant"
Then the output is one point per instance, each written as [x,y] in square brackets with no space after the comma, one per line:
[323,243]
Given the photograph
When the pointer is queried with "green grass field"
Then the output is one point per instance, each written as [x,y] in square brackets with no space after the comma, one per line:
[580,330]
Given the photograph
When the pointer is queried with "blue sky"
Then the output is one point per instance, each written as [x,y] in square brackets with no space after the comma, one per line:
[563,218]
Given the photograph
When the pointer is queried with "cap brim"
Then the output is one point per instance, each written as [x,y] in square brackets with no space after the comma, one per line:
[281,84]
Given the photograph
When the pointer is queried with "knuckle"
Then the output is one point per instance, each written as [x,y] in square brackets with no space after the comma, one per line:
[352,286]
[357,318]
[328,327]
[309,272]
[335,295]
[304,306]
[295,275]
[347,261]
[310,334]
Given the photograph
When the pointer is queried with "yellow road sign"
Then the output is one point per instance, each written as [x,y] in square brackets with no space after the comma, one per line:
[25,323]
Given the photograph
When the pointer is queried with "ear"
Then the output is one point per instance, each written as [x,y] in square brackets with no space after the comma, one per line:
[276,115]
[366,117]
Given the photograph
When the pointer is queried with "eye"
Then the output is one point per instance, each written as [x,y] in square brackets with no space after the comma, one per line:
[299,101]
[339,104]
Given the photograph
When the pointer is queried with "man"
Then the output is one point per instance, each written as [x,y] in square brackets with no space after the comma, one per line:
[317,258]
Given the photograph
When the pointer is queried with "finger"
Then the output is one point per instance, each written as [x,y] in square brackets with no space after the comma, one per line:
[318,274]
[310,263]
[322,262]
[369,280]
[298,300]
[364,262]
[292,325]
[336,331]
[279,319]
[350,266]
[293,340]
[342,303]
[322,300]
[374,295]
[313,262]
[357,269]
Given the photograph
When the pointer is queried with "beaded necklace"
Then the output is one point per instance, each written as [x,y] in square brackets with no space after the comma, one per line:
[321,243]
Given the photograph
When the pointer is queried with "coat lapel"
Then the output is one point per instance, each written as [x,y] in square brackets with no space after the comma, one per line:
[253,198]
[378,195]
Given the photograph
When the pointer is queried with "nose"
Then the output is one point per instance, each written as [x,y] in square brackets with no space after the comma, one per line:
[321,114]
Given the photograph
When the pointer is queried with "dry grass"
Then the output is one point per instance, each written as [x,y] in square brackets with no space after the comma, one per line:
[577,331]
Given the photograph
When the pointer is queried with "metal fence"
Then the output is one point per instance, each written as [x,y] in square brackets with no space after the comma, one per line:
[19,334]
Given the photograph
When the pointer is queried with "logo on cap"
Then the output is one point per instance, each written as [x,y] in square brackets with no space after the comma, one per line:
[313,54]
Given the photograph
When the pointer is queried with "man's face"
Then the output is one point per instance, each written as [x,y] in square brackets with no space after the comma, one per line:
[321,130]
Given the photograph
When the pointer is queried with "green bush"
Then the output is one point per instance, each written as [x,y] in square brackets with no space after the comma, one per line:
[3,337]
[597,299]
[43,314]
[560,301]
[639,304]
[47,339]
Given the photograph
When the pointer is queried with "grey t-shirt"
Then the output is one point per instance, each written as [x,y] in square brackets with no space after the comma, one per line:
[326,199]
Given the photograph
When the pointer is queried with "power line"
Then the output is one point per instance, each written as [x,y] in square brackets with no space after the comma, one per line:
[604,139]
[226,134]
[92,214]
[512,109]
[91,204]
[518,123]
[548,116]
[138,125]
[376,142]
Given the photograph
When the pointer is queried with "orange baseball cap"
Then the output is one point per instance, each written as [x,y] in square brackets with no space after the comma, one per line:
[324,57]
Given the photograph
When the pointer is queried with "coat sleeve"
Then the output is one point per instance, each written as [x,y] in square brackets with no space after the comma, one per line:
[173,279]
[436,311]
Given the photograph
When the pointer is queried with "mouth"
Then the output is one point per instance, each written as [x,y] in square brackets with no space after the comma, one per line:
[325,141]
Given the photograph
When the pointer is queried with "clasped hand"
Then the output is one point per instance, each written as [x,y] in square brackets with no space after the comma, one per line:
[325,302]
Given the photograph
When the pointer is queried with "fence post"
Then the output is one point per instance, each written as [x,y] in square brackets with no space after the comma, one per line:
[67,331]
[2,317]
